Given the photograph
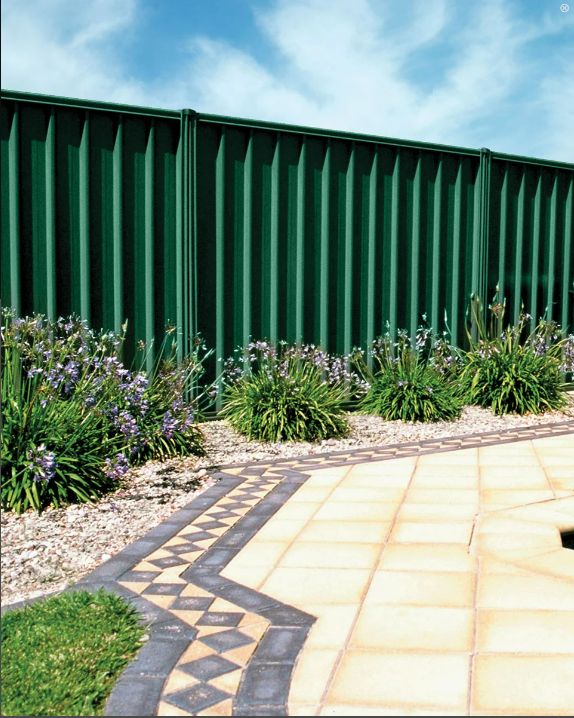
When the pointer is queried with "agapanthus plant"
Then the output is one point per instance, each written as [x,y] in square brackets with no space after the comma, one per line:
[74,418]
[515,369]
[411,379]
[282,392]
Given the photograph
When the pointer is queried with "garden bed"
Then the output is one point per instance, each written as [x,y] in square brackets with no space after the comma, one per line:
[43,553]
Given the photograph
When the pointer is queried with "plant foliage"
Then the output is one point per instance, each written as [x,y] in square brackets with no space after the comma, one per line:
[412,380]
[287,393]
[515,369]
[74,418]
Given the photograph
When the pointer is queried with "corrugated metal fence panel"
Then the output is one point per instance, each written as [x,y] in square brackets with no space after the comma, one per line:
[245,229]
[531,238]
[90,207]
[310,238]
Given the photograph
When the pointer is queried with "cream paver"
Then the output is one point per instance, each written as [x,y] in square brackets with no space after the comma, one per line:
[439,583]
[525,631]
[400,628]
[422,588]
[523,684]
[394,679]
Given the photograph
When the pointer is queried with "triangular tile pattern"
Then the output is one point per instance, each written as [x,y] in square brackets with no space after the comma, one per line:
[207,677]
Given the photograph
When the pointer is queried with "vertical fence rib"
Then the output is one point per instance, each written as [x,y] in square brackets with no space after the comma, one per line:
[551,258]
[14,211]
[567,283]
[300,242]
[395,225]
[50,247]
[274,242]
[220,249]
[84,228]
[149,236]
[371,255]
[179,221]
[480,253]
[436,244]
[324,249]
[502,242]
[415,249]
[455,262]
[534,274]
[519,249]
[192,179]
[117,226]
[247,240]
[348,255]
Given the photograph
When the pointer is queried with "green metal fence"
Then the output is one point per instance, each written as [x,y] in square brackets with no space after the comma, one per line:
[242,229]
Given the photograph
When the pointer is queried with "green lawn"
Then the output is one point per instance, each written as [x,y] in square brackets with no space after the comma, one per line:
[62,655]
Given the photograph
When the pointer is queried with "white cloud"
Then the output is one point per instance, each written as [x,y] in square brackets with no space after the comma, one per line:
[66,47]
[427,70]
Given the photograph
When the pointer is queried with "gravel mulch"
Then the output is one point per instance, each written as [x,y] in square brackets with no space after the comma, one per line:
[43,553]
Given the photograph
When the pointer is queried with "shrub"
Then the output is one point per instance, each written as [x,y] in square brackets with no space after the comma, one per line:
[74,418]
[412,383]
[62,655]
[512,371]
[168,424]
[287,393]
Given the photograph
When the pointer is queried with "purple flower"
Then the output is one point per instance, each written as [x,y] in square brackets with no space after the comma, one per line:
[169,425]
[42,462]
[127,424]
[115,468]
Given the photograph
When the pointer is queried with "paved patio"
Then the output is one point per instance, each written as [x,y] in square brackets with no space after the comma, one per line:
[422,579]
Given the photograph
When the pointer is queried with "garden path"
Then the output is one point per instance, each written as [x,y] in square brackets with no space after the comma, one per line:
[422,579]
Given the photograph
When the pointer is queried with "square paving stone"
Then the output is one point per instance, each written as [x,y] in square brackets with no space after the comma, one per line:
[220,618]
[184,548]
[210,525]
[281,644]
[265,683]
[139,576]
[222,514]
[226,640]
[196,536]
[192,603]
[197,698]
[168,561]
[217,557]
[209,667]
[165,589]
[259,710]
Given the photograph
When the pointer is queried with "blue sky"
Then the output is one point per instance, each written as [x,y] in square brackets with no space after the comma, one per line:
[492,73]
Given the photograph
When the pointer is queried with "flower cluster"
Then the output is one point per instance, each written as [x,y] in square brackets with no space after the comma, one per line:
[41,462]
[280,359]
[64,387]
[116,467]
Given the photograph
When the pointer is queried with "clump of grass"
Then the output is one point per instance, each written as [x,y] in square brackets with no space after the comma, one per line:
[287,393]
[511,370]
[61,656]
[412,380]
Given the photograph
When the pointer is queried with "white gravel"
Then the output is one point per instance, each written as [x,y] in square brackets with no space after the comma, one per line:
[42,553]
